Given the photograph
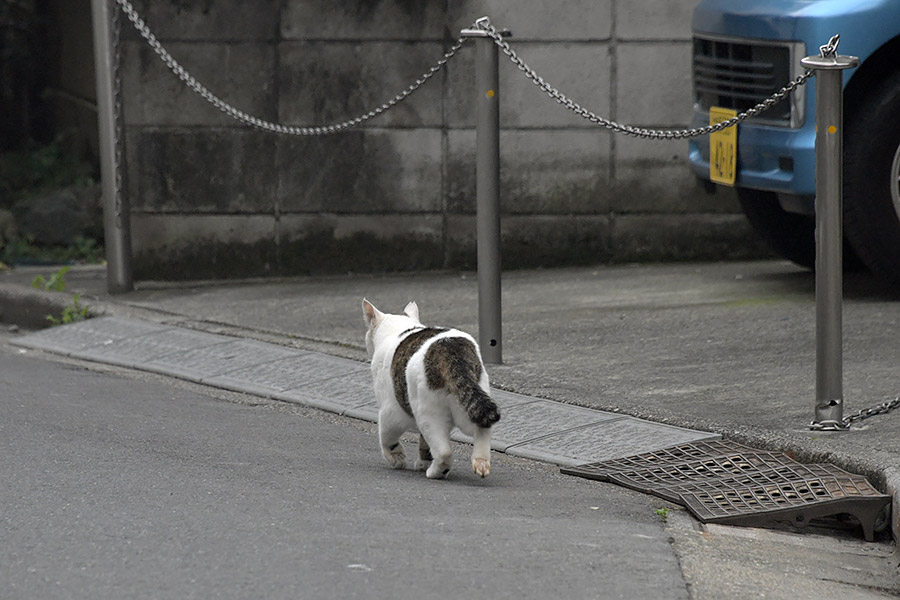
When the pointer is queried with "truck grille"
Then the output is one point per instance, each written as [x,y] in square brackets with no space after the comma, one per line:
[739,74]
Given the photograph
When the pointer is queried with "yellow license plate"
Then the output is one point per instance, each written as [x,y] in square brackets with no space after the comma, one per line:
[722,147]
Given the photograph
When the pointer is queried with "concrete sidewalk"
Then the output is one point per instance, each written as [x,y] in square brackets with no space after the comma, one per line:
[726,348]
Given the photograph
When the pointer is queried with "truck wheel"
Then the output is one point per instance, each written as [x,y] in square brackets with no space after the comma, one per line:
[872,179]
[790,235]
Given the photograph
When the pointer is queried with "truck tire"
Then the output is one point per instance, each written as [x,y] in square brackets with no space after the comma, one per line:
[872,179]
[790,235]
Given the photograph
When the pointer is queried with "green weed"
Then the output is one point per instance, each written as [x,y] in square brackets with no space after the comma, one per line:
[25,251]
[71,314]
[56,282]
[41,167]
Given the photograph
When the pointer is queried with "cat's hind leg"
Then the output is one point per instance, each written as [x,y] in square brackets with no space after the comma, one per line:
[434,421]
[389,432]
[425,458]
[481,452]
[438,439]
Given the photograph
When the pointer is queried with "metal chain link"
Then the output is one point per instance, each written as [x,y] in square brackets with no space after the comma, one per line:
[883,408]
[242,116]
[668,134]
[118,117]
[830,49]
[863,414]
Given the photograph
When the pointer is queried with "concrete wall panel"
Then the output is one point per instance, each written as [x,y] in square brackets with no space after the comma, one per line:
[379,172]
[324,243]
[203,246]
[322,83]
[580,71]
[192,171]
[528,20]
[241,74]
[208,20]
[544,171]
[654,83]
[651,178]
[526,241]
[654,20]
[363,20]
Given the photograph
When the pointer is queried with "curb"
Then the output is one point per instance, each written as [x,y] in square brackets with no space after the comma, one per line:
[29,307]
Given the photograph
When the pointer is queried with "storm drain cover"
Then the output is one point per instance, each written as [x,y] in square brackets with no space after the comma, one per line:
[726,482]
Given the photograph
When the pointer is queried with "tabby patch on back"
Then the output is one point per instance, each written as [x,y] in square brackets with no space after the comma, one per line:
[409,345]
[428,379]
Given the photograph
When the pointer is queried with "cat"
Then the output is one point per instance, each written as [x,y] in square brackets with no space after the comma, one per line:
[428,379]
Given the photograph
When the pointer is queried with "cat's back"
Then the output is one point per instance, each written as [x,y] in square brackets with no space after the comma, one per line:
[420,341]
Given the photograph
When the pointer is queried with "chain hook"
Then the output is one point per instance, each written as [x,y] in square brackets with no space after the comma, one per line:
[483,23]
[829,50]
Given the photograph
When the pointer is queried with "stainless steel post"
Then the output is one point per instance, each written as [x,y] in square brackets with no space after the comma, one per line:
[487,157]
[116,221]
[829,237]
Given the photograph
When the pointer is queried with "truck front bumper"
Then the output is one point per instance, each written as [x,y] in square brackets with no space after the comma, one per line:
[776,159]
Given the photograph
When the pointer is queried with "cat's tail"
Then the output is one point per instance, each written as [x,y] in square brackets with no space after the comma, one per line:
[453,362]
[480,407]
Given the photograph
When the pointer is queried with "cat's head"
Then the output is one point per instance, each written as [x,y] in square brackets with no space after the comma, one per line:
[380,325]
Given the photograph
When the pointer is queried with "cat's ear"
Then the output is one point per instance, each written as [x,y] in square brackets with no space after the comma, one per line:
[412,311]
[372,314]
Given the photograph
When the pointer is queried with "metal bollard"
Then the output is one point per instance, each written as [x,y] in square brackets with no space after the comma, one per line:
[116,216]
[487,157]
[829,68]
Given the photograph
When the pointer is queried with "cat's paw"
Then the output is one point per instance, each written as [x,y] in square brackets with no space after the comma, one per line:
[395,456]
[422,464]
[437,471]
[481,466]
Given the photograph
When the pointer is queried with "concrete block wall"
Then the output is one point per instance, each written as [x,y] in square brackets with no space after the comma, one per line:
[212,198]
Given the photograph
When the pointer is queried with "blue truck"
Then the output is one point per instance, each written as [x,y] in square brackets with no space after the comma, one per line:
[743,51]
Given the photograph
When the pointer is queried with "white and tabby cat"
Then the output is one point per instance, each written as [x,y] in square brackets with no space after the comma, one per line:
[428,379]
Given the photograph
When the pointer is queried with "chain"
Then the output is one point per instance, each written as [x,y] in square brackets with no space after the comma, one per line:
[668,134]
[118,117]
[829,50]
[863,414]
[485,25]
[243,117]
[883,408]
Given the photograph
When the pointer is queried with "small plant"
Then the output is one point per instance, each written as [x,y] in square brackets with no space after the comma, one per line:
[71,314]
[36,167]
[663,513]
[56,282]
[25,251]
[86,249]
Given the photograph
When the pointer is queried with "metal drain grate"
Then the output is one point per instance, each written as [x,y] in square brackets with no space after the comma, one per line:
[726,482]
[667,456]
[668,482]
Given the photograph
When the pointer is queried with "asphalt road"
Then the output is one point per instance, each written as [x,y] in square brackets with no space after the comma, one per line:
[124,485]
[119,484]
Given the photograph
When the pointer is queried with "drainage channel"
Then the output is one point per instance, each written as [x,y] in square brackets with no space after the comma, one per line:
[726,482]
